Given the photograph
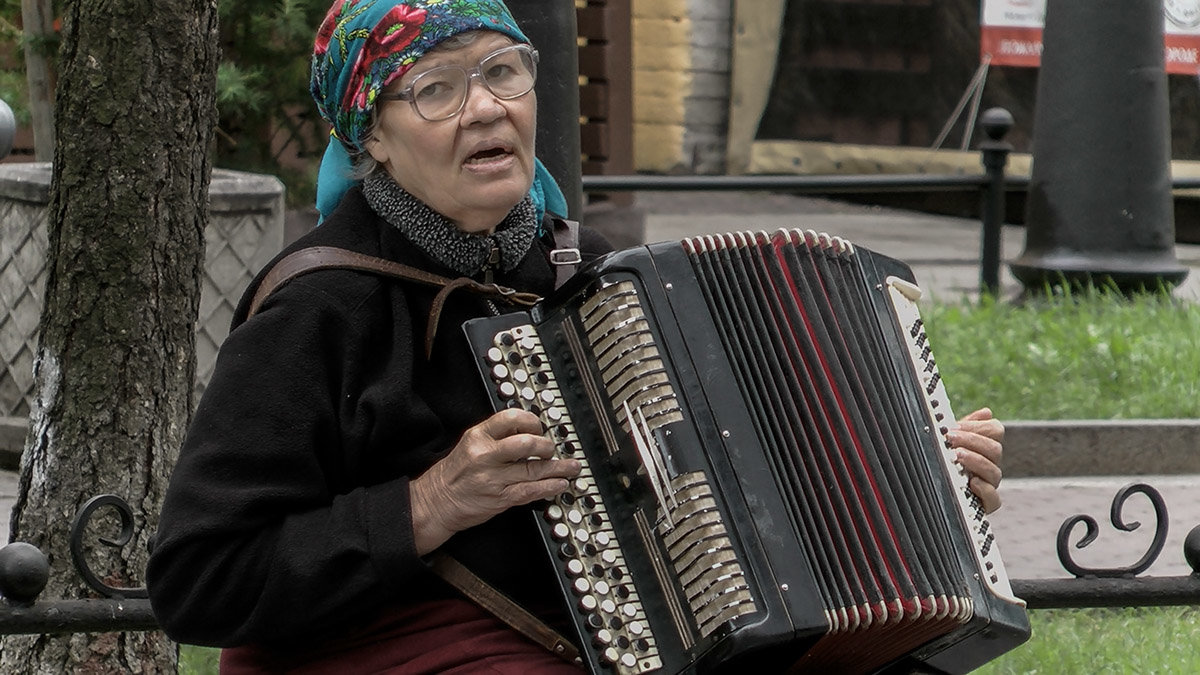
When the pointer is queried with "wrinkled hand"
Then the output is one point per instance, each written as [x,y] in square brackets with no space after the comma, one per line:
[978,441]
[497,464]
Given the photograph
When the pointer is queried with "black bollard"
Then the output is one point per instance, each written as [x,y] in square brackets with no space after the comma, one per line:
[994,154]
[550,26]
[1099,207]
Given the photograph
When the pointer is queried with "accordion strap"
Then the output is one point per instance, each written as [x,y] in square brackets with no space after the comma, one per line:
[499,604]
[316,258]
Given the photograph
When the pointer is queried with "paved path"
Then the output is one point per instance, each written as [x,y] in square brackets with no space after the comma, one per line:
[944,254]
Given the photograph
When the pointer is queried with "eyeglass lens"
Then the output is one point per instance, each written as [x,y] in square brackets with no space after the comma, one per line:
[441,92]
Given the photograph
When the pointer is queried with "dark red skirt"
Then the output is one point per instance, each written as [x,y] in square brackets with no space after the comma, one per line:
[442,636]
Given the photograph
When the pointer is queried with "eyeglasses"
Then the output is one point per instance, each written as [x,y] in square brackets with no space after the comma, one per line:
[441,93]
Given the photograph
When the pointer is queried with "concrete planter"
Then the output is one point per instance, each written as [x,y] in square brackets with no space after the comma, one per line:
[245,230]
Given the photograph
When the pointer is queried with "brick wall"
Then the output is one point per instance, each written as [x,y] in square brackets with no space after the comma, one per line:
[681,61]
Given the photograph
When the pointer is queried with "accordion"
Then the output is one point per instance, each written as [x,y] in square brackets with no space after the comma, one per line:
[766,478]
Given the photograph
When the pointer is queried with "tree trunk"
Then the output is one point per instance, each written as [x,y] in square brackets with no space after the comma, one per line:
[115,366]
[37,17]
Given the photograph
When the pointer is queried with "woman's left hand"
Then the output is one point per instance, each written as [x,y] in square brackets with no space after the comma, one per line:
[978,440]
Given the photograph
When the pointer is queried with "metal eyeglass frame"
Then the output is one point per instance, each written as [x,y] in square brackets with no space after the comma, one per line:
[470,73]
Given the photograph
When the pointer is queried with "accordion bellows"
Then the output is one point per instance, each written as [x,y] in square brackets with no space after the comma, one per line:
[767,481]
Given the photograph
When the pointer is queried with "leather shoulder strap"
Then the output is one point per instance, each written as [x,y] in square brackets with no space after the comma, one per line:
[503,607]
[565,257]
[317,258]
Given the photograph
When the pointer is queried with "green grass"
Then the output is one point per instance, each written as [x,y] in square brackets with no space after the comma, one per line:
[1086,356]
[198,660]
[1137,640]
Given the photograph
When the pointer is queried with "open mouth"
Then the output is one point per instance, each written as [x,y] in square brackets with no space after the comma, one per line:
[488,154]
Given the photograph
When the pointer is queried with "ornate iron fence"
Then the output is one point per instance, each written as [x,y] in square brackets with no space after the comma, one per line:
[24,572]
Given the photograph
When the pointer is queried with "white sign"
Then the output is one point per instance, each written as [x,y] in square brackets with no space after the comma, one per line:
[1011,33]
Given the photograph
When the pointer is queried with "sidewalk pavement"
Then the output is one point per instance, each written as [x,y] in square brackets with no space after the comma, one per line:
[944,255]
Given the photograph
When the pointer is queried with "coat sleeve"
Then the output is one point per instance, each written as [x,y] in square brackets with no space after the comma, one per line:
[255,542]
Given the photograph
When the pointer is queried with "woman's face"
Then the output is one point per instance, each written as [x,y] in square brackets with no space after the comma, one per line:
[472,168]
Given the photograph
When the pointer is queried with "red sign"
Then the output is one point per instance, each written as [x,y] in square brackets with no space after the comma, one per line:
[1011,34]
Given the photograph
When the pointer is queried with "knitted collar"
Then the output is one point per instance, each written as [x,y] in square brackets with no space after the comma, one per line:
[440,239]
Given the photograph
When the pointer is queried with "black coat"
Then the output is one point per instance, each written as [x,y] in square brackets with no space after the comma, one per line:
[288,512]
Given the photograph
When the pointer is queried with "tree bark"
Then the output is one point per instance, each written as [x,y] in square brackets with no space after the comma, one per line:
[115,365]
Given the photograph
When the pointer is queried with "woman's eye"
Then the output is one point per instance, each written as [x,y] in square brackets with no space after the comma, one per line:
[499,71]
[433,90]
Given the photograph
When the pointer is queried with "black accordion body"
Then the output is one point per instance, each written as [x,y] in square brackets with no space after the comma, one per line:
[767,483]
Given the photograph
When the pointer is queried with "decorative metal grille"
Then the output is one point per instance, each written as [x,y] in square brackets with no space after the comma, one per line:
[245,231]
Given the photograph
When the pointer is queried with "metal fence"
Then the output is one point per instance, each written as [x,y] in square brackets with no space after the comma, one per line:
[24,572]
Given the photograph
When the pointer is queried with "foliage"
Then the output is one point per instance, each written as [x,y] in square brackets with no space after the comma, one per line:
[13,92]
[13,88]
[1086,355]
[268,123]
[267,117]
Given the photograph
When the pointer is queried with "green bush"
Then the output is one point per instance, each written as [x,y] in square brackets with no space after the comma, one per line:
[13,88]
[268,123]
[266,113]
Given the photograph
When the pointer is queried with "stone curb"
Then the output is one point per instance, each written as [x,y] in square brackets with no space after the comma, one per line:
[1032,448]
[1101,448]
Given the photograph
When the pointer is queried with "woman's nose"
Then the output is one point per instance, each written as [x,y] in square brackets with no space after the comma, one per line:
[482,105]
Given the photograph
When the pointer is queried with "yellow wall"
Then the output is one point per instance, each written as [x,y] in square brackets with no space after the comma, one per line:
[662,80]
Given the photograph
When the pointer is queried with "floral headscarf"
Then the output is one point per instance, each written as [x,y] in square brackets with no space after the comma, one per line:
[363,45]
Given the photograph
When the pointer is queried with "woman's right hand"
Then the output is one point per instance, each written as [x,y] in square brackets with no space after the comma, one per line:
[502,462]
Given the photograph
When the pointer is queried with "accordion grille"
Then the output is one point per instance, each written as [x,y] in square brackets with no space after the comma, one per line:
[630,365]
[703,556]
[812,366]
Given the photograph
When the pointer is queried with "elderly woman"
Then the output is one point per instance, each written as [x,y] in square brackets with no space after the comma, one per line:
[330,454]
